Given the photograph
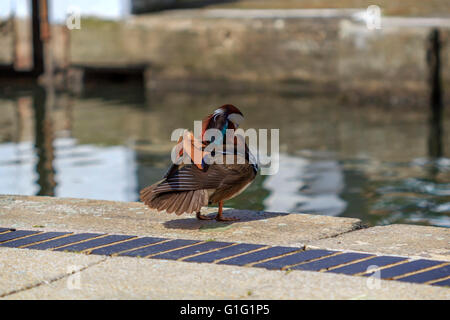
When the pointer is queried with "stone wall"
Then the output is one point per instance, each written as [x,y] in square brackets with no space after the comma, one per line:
[390,62]
[191,45]
[6,45]
[296,50]
[316,50]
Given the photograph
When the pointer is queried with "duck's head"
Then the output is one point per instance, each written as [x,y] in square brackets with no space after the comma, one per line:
[223,118]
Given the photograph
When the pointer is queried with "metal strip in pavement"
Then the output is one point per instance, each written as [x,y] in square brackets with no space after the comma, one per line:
[86,245]
[16,234]
[257,256]
[426,276]
[328,262]
[445,282]
[294,259]
[224,252]
[126,246]
[362,266]
[192,250]
[424,271]
[33,239]
[51,244]
[405,268]
[159,248]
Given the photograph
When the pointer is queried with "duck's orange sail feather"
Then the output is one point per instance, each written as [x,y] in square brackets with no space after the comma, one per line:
[191,147]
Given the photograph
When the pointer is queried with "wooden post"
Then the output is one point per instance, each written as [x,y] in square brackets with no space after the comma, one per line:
[46,41]
[43,16]
[43,97]
[38,47]
[435,148]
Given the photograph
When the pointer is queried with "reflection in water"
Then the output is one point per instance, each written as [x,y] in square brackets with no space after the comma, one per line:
[88,171]
[82,171]
[435,83]
[18,169]
[302,185]
[336,159]
[44,143]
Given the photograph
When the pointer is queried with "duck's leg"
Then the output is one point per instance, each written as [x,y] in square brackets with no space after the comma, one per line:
[220,217]
[202,217]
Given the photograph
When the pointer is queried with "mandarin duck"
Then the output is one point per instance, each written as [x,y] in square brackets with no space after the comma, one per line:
[191,185]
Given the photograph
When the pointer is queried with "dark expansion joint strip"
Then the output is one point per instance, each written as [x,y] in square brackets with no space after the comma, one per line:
[424,271]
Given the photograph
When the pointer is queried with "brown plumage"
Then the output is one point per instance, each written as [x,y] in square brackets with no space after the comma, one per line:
[175,202]
[186,188]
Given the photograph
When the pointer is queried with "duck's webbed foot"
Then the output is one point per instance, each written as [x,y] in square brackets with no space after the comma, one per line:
[202,217]
[220,216]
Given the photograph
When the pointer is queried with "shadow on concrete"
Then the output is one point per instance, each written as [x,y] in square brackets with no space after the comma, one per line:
[212,225]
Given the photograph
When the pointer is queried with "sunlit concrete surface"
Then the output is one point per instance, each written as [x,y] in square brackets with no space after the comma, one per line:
[134,278]
[132,218]
[35,274]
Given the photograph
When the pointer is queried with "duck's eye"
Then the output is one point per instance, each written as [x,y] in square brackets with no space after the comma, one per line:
[236,119]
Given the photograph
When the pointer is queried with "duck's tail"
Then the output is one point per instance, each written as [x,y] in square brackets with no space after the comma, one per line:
[178,202]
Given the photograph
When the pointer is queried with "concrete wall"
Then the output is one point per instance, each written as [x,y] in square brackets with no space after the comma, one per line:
[191,45]
[302,50]
[6,43]
[296,50]
[390,62]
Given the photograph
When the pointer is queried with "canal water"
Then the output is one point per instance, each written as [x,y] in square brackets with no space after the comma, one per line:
[336,158]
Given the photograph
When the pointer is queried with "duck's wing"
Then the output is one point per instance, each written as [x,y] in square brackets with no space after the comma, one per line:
[186,188]
[215,176]
[189,177]
[175,193]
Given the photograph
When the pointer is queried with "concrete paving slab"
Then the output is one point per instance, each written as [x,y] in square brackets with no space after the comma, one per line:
[22,269]
[131,278]
[398,239]
[37,274]
[80,215]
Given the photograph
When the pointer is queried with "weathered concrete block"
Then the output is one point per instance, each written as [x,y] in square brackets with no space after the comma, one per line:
[131,278]
[274,47]
[25,269]
[398,239]
[194,45]
[389,62]
[298,50]
[6,43]
[60,214]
